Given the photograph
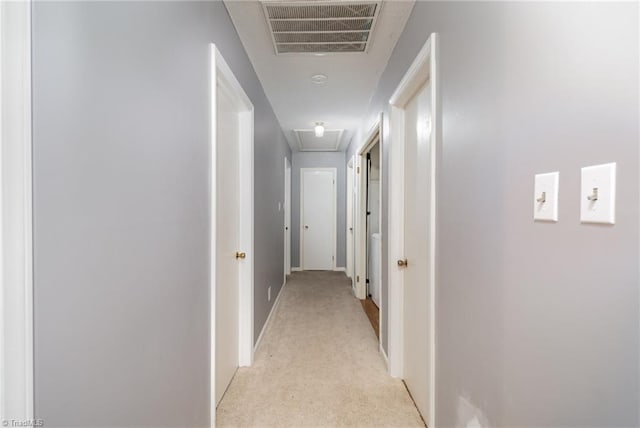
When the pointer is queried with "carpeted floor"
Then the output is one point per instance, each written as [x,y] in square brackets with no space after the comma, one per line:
[318,365]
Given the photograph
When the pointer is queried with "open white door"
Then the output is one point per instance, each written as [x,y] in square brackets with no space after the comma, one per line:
[412,240]
[318,218]
[231,228]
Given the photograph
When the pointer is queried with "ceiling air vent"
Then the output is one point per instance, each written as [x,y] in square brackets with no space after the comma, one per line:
[321,27]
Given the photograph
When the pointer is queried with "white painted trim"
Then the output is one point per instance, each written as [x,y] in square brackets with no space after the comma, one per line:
[287,217]
[16,214]
[296,269]
[423,67]
[340,269]
[334,228]
[349,229]
[384,355]
[221,75]
[373,136]
[369,141]
[395,242]
[267,323]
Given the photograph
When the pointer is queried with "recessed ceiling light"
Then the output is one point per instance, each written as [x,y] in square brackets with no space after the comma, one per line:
[319,79]
[319,129]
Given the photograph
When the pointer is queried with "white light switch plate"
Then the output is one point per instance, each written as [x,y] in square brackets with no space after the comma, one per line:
[545,196]
[602,209]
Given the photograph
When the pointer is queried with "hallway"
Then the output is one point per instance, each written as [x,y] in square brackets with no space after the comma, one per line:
[468,172]
[318,365]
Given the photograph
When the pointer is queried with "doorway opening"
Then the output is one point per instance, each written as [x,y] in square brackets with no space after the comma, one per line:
[373,243]
[369,228]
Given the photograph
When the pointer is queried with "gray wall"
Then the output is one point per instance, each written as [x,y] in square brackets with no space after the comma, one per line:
[120,134]
[319,160]
[537,324]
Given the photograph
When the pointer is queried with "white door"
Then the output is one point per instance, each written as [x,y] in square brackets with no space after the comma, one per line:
[318,218]
[287,217]
[227,241]
[231,227]
[416,247]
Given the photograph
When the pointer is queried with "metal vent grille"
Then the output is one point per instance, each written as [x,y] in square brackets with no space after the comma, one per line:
[321,27]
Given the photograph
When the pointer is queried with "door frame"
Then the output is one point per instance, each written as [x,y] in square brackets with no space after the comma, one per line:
[221,74]
[423,68]
[350,229]
[287,218]
[16,214]
[334,214]
[374,135]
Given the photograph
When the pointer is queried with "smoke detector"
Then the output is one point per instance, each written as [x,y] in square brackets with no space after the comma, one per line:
[319,79]
[321,26]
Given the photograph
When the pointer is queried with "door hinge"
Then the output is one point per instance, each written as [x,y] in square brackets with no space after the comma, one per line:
[367,281]
[358,170]
[357,278]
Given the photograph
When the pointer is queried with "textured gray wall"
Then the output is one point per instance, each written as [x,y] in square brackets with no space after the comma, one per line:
[319,160]
[537,324]
[121,134]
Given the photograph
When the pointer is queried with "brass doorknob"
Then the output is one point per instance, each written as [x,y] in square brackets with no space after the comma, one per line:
[240,255]
[403,263]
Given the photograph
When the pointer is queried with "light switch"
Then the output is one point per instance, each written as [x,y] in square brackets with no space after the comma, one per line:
[598,194]
[545,197]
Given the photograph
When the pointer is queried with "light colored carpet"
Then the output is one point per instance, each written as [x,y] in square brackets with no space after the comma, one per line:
[318,365]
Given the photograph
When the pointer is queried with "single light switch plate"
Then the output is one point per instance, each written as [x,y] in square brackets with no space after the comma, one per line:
[545,196]
[598,194]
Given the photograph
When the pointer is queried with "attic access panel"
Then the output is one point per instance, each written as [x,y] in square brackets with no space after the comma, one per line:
[308,142]
[321,27]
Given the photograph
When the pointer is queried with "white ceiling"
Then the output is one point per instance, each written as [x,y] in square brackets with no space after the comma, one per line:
[352,77]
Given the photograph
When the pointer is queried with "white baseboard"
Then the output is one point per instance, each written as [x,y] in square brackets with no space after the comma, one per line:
[268,321]
[340,269]
[296,269]
[384,356]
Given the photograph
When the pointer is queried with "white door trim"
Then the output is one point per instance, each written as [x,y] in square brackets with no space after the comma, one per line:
[374,135]
[221,74]
[16,215]
[334,212]
[423,67]
[350,220]
[287,218]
